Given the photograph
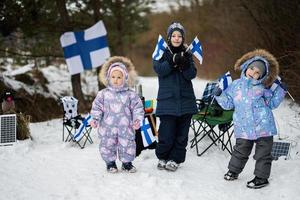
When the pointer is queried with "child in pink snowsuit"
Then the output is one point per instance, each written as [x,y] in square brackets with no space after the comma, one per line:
[117,112]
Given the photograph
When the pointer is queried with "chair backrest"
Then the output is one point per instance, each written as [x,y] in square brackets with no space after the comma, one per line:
[70,106]
[208,92]
[209,100]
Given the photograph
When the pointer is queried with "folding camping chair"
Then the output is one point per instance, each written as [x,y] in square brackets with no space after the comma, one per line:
[210,117]
[77,127]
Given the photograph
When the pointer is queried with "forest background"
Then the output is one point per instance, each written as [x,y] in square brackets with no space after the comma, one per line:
[30,32]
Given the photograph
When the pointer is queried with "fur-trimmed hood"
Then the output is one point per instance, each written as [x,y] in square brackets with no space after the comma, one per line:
[132,74]
[273,66]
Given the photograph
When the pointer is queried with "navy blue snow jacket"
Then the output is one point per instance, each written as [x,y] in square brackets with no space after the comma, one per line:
[175,94]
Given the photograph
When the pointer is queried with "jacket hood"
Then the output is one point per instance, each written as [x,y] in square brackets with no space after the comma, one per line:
[132,74]
[263,55]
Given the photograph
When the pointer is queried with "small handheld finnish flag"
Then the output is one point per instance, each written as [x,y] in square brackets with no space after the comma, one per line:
[225,81]
[196,49]
[147,135]
[160,48]
[85,49]
[80,131]
[276,83]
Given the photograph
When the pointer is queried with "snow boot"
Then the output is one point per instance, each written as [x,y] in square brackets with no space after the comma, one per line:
[161,164]
[111,167]
[230,176]
[172,166]
[257,183]
[128,167]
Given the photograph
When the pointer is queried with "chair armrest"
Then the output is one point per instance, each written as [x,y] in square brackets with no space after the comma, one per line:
[200,104]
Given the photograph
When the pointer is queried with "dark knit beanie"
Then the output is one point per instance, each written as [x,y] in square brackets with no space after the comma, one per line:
[260,65]
[175,26]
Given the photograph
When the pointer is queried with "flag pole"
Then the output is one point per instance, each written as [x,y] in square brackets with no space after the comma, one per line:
[188,48]
[170,49]
[290,95]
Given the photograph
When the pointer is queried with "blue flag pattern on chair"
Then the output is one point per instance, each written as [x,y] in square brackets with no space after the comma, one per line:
[225,80]
[160,48]
[80,131]
[147,135]
[84,50]
[196,49]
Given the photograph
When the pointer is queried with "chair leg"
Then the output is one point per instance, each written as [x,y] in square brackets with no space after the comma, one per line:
[85,137]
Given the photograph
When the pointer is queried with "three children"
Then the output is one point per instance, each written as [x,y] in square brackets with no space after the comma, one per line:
[118,110]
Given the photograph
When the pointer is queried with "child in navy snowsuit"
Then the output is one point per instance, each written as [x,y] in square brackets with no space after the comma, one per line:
[175,100]
[118,110]
[252,100]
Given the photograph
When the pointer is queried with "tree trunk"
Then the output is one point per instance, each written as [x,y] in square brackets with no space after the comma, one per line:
[97,16]
[75,79]
[119,45]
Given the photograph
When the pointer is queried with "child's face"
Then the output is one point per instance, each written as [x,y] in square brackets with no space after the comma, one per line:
[176,39]
[253,72]
[116,78]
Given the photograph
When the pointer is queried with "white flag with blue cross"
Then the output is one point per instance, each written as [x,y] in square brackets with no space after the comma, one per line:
[84,50]
[80,131]
[146,131]
[276,83]
[160,48]
[196,49]
[225,81]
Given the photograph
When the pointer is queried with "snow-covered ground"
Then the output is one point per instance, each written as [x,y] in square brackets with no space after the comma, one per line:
[47,168]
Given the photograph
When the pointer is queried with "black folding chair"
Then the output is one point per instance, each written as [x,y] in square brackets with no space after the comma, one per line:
[211,122]
[77,126]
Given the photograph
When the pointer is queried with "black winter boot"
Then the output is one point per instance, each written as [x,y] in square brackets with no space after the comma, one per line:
[230,176]
[257,183]
[128,167]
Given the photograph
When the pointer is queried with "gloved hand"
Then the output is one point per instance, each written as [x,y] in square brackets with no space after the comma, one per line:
[136,124]
[188,54]
[94,124]
[181,60]
[178,58]
[217,91]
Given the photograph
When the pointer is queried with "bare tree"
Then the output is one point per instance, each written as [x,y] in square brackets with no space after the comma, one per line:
[75,79]
[96,4]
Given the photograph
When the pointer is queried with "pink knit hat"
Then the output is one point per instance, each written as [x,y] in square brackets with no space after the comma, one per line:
[120,67]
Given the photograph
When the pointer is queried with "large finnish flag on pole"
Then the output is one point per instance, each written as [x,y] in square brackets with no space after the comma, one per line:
[147,135]
[160,48]
[225,80]
[86,49]
[196,49]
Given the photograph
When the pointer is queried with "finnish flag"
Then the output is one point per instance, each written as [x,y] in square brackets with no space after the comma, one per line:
[86,49]
[147,135]
[80,131]
[225,81]
[160,48]
[276,83]
[196,49]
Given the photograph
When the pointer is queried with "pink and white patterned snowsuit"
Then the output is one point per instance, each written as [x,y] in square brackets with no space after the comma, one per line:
[116,109]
